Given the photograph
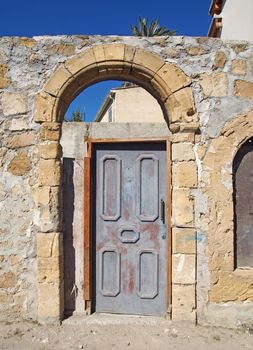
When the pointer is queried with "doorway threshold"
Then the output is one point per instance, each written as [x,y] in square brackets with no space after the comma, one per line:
[115,319]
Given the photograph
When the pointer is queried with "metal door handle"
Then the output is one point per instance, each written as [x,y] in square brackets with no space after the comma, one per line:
[162,210]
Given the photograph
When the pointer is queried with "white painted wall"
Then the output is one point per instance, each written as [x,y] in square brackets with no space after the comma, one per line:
[237,20]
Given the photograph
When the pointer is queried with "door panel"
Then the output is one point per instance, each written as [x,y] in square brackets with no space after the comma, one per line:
[129,235]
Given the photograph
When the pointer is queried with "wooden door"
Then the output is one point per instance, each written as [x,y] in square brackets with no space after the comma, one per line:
[129,228]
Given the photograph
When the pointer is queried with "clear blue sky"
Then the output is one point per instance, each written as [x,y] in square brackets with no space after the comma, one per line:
[105,17]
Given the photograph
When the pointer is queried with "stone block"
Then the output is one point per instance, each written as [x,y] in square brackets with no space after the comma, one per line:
[60,77]
[181,106]
[184,174]
[114,52]
[44,104]
[49,302]
[180,137]
[243,89]
[184,268]
[49,244]
[49,172]
[49,269]
[4,81]
[19,125]
[214,85]
[195,50]
[20,164]
[239,67]
[8,280]
[50,132]
[81,61]
[27,42]
[50,151]
[183,240]
[182,207]
[182,152]
[22,140]
[183,298]
[61,49]
[220,60]
[173,76]
[14,103]
[148,60]
[41,195]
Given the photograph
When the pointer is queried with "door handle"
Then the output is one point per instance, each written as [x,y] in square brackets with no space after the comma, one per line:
[162,210]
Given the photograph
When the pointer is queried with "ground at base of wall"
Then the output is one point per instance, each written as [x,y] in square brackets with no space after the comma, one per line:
[157,334]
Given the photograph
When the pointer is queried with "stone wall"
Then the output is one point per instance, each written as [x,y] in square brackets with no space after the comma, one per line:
[205,88]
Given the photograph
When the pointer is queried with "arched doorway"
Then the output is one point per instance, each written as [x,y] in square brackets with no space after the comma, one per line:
[168,84]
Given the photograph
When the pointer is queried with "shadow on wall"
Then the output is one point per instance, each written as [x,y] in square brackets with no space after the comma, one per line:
[69,250]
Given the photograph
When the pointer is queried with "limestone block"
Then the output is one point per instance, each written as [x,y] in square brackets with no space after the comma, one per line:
[146,59]
[99,53]
[49,172]
[4,81]
[183,240]
[173,76]
[191,317]
[182,152]
[220,60]
[195,50]
[41,195]
[18,124]
[61,49]
[184,174]
[8,280]
[44,104]
[114,52]
[181,106]
[20,164]
[49,244]
[214,85]
[60,77]
[14,103]
[239,67]
[243,89]
[183,298]
[183,268]
[22,140]
[49,301]
[81,61]
[234,286]
[6,298]
[50,151]
[27,42]
[49,269]
[239,47]
[182,207]
[171,53]
[50,132]
[182,136]
[129,53]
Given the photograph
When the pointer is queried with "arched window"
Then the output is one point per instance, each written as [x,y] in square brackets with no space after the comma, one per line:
[243,204]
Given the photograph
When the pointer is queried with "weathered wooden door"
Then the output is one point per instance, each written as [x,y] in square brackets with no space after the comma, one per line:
[129,228]
[243,200]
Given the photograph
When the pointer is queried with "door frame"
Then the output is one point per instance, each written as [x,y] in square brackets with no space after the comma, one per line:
[87,202]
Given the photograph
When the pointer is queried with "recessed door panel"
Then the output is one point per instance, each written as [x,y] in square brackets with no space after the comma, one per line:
[129,254]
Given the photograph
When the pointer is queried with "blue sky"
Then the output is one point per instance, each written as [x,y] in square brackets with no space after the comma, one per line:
[108,17]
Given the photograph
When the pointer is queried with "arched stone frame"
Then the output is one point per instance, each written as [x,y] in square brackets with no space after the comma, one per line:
[227,283]
[167,83]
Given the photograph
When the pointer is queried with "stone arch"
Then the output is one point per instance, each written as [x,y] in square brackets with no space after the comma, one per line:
[167,83]
[227,282]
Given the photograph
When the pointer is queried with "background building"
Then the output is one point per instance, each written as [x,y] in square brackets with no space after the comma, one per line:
[232,19]
[130,103]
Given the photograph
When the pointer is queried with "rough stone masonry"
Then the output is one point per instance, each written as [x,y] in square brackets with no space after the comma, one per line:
[205,88]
